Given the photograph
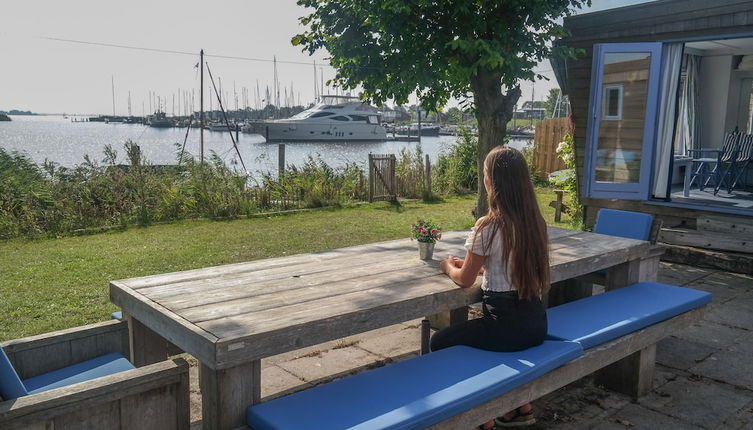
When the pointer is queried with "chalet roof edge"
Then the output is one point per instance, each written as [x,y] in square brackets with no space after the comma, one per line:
[646,10]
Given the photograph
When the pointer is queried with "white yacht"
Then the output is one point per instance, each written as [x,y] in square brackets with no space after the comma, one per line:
[333,119]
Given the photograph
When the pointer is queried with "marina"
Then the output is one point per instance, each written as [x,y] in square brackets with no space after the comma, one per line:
[58,139]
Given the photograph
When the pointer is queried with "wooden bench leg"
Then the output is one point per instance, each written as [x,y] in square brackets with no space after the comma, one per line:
[632,375]
[227,393]
[147,347]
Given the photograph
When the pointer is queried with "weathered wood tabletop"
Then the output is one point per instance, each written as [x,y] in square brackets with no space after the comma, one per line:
[231,316]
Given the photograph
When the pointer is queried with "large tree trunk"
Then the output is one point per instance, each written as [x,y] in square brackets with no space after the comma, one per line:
[493,111]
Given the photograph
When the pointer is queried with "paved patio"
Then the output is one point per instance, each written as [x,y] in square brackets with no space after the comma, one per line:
[704,374]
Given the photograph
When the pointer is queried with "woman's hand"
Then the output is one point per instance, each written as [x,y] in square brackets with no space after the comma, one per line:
[462,271]
[448,263]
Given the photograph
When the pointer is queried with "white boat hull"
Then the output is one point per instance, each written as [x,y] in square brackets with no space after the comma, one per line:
[300,132]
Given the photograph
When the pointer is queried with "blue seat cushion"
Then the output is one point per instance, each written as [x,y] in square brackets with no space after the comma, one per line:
[631,225]
[11,386]
[95,368]
[412,394]
[604,317]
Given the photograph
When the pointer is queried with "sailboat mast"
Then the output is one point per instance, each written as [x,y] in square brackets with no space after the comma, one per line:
[112,79]
[201,102]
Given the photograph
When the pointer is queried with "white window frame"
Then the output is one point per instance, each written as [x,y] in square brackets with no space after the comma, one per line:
[620,90]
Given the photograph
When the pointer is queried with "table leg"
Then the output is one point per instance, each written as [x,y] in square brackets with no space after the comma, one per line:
[567,291]
[622,275]
[634,374]
[147,347]
[227,393]
[686,181]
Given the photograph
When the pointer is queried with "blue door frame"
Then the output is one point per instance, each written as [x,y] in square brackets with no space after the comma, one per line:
[624,191]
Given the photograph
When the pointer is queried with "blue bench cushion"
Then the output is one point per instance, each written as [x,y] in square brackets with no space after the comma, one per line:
[11,386]
[631,225]
[604,317]
[414,393]
[101,366]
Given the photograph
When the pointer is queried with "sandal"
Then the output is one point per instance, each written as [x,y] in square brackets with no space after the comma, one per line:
[518,420]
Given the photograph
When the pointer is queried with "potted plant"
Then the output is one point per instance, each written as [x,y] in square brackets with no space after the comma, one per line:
[427,233]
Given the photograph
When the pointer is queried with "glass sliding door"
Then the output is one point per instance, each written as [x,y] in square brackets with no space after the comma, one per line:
[622,120]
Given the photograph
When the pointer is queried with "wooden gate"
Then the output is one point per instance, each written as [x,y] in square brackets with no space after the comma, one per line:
[549,133]
[382,181]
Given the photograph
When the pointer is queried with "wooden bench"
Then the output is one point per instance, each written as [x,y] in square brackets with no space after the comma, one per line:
[60,370]
[461,387]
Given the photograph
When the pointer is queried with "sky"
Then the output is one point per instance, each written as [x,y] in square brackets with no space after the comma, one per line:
[44,75]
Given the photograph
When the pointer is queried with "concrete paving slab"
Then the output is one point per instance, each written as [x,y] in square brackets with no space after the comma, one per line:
[576,406]
[323,365]
[682,353]
[742,419]
[735,281]
[636,417]
[736,313]
[398,342]
[721,293]
[678,274]
[697,401]
[733,365]
[712,334]
[277,382]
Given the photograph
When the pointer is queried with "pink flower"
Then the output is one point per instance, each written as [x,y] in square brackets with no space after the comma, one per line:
[434,231]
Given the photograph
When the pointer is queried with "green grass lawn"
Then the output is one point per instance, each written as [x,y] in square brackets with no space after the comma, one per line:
[51,284]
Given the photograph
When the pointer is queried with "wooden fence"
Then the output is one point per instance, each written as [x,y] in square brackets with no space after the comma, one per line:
[549,133]
[382,179]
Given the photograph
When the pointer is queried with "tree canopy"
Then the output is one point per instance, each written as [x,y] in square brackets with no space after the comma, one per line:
[395,48]
[472,50]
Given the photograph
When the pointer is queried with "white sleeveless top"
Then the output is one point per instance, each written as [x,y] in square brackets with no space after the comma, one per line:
[495,273]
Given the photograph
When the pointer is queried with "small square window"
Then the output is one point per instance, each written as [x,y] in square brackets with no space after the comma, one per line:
[612,106]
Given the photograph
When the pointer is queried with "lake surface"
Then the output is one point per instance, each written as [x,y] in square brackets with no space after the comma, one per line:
[58,139]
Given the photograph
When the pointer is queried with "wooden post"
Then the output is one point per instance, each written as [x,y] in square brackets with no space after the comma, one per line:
[280,161]
[632,375]
[393,177]
[558,206]
[226,393]
[371,178]
[428,176]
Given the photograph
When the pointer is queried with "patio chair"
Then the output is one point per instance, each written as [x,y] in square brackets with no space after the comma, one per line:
[719,173]
[613,222]
[744,157]
[81,378]
[630,225]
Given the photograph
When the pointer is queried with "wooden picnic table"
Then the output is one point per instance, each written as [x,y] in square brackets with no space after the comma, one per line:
[230,317]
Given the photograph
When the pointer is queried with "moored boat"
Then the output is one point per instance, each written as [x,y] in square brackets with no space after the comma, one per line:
[333,119]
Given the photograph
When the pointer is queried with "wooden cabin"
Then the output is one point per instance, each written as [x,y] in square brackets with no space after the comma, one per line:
[654,84]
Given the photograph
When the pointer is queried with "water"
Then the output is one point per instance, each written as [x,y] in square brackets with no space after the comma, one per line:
[58,139]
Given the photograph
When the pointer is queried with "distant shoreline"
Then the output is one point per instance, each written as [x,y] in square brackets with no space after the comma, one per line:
[18,112]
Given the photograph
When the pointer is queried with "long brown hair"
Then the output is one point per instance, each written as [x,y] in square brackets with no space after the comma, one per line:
[514,213]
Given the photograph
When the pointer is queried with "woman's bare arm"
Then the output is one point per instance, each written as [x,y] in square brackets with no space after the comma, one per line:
[463,272]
